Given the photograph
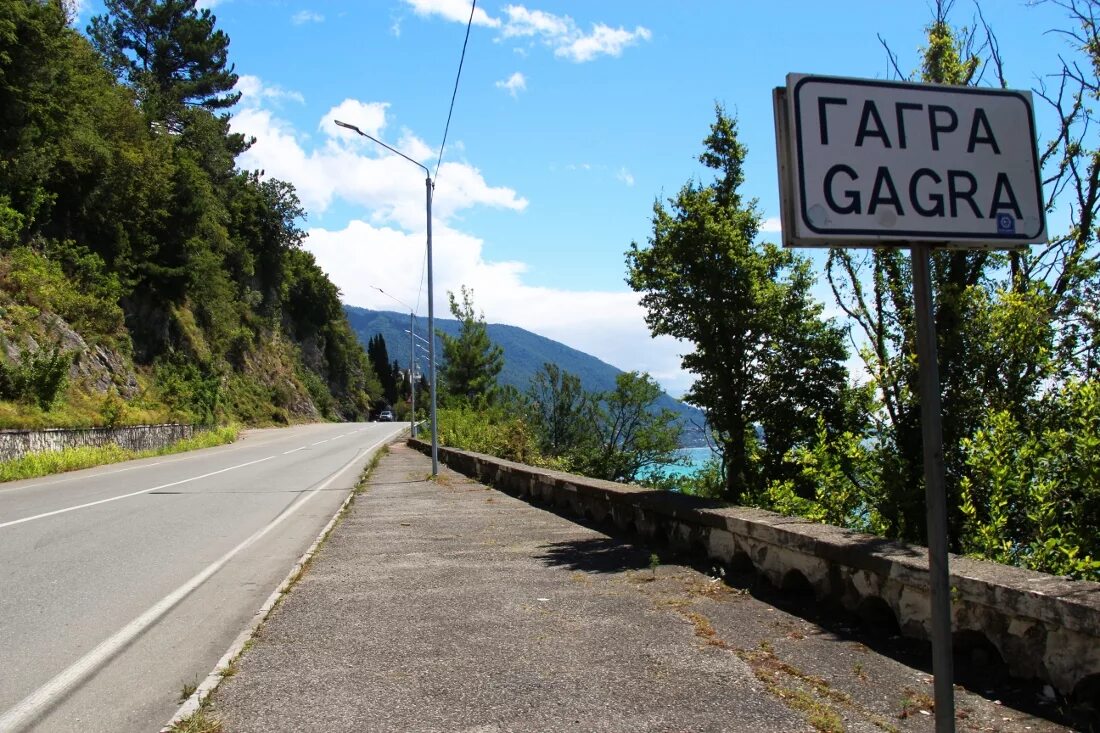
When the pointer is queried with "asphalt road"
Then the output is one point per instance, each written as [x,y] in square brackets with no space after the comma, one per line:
[121,584]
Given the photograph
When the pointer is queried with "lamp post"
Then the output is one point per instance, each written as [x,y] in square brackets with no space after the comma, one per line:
[412,358]
[431,299]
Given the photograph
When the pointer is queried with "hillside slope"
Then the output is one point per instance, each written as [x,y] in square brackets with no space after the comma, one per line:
[143,275]
[524,354]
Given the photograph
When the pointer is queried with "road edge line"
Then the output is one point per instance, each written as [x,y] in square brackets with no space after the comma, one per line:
[192,704]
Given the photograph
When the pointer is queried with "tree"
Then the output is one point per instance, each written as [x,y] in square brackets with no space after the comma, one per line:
[766,364]
[471,361]
[380,362]
[1010,327]
[169,52]
[631,434]
[559,406]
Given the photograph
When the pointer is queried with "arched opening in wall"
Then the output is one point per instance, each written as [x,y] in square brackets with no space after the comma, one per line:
[698,551]
[877,617]
[974,652]
[1086,702]
[741,563]
[796,586]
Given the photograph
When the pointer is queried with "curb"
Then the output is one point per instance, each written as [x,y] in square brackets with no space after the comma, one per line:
[214,678]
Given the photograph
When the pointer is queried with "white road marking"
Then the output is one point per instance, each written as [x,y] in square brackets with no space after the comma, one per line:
[132,493]
[320,441]
[78,478]
[111,471]
[27,710]
[146,491]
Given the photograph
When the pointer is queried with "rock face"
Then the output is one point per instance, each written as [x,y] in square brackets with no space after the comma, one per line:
[277,375]
[97,367]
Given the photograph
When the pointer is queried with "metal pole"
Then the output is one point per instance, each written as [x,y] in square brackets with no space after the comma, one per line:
[431,333]
[412,374]
[934,492]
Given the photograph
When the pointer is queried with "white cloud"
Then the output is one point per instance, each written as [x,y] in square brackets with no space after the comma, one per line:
[370,117]
[771,224]
[608,325]
[561,33]
[603,40]
[254,92]
[514,84]
[625,176]
[523,22]
[385,246]
[349,167]
[454,10]
[306,16]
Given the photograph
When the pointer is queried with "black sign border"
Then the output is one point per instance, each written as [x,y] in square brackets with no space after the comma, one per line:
[908,235]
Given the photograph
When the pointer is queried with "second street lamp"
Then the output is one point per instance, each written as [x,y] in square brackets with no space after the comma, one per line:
[431,300]
[411,330]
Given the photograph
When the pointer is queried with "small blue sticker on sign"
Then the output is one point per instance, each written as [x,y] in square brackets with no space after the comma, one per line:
[1006,224]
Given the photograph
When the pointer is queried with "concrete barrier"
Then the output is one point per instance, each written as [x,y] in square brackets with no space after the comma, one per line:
[17,443]
[1042,626]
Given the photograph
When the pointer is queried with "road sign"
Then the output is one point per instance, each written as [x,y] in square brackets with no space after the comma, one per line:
[875,163]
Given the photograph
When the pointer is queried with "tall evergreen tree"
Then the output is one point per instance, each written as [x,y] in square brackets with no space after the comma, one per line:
[170,52]
[380,360]
[766,364]
[559,409]
[472,361]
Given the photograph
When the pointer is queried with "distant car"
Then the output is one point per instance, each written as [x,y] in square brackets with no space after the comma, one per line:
[385,416]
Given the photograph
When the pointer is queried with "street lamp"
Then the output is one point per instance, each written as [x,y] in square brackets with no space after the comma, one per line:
[412,358]
[431,300]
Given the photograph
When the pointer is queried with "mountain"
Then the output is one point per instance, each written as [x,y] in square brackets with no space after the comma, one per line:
[524,354]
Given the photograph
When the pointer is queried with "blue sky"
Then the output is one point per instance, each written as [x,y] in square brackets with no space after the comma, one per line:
[571,118]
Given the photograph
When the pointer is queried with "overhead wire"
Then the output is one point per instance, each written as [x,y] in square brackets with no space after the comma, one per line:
[446,131]
[461,59]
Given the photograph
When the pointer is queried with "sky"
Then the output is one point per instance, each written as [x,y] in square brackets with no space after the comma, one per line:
[570,120]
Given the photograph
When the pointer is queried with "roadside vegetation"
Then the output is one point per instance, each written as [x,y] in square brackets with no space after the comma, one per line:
[792,429]
[617,435]
[74,459]
[144,277]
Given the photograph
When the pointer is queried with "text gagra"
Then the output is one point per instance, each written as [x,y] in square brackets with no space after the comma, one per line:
[934,192]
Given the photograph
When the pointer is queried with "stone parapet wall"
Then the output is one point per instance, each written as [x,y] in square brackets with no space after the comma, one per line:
[1042,626]
[18,443]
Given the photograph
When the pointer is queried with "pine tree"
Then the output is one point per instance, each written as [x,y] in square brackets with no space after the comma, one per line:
[471,361]
[766,364]
[170,53]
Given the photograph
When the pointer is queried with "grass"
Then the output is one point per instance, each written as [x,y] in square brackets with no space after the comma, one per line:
[200,721]
[187,691]
[74,459]
[913,702]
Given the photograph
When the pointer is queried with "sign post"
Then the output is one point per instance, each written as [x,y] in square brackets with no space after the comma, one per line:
[867,163]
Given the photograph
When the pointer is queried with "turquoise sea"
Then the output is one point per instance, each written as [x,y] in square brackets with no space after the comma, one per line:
[696,458]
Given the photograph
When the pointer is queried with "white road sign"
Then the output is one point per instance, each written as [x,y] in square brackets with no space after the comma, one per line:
[872,163]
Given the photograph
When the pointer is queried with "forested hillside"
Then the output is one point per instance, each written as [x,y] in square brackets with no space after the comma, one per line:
[524,356]
[143,276]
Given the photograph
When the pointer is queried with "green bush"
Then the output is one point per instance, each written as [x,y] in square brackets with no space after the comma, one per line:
[69,281]
[39,378]
[191,392]
[1033,496]
[490,431]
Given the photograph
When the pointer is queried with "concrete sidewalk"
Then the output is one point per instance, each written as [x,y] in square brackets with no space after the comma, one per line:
[447,606]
